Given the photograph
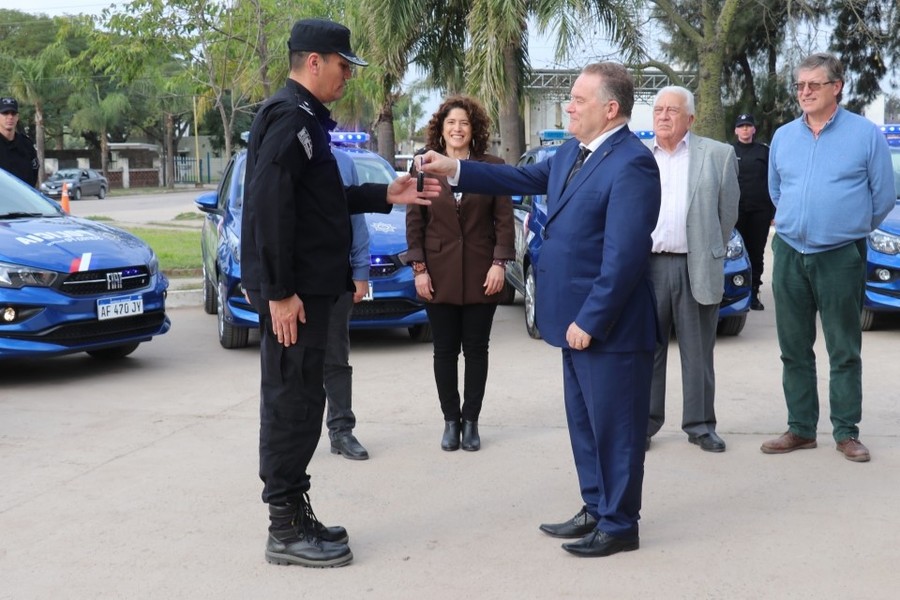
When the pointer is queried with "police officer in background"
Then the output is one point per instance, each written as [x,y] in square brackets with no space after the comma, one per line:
[755,210]
[295,263]
[17,153]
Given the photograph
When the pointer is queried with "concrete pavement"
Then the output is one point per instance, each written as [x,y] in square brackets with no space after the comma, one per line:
[138,480]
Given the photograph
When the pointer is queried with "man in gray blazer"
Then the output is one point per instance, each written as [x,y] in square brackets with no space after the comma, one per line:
[700,195]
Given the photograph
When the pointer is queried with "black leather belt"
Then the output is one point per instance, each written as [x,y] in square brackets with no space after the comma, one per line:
[671,253]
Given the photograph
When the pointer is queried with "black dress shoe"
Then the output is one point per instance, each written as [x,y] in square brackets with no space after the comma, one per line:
[578,526]
[755,304]
[349,447]
[471,441]
[710,442]
[450,441]
[599,543]
[647,444]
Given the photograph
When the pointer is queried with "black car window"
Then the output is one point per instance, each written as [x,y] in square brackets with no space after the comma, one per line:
[225,185]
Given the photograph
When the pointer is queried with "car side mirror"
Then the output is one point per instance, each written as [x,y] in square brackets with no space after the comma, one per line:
[208,202]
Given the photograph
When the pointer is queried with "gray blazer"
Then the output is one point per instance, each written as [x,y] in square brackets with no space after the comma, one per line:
[713,196]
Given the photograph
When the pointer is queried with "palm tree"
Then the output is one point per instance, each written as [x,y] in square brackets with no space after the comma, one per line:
[98,113]
[32,83]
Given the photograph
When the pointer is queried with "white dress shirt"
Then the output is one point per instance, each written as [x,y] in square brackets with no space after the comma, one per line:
[670,234]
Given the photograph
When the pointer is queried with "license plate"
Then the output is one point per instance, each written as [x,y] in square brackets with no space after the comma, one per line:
[122,306]
[369,295]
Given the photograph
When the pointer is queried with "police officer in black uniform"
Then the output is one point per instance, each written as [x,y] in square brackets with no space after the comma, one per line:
[17,153]
[756,211]
[295,263]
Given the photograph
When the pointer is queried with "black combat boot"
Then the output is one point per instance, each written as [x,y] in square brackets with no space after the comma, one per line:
[296,537]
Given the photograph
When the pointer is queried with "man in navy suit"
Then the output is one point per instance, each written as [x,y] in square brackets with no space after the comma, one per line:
[594,298]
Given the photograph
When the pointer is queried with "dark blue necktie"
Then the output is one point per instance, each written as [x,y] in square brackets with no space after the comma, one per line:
[583,153]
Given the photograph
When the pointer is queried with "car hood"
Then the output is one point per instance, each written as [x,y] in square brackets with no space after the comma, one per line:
[387,232]
[69,244]
[892,223]
[59,182]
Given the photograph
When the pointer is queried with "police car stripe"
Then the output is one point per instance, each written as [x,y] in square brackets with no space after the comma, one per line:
[81,264]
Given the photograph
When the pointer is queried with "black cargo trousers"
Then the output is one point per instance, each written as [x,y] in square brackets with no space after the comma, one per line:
[292,399]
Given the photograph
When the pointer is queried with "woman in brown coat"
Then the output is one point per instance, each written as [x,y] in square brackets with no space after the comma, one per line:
[458,248]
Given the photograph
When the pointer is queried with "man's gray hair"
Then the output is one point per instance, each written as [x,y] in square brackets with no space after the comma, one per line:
[834,70]
[681,91]
[616,83]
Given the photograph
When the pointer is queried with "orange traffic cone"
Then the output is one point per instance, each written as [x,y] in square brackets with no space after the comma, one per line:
[64,199]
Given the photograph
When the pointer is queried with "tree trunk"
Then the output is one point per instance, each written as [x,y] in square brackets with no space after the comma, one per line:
[39,138]
[170,150]
[104,152]
[384,125]
[710,118]
[510,125]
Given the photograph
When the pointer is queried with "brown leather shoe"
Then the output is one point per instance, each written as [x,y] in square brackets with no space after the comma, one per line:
[787,442]
[854,450]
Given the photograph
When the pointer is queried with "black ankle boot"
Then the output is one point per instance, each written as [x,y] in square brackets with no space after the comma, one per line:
[471,441]
[296,537]
[450,441]
[755,304]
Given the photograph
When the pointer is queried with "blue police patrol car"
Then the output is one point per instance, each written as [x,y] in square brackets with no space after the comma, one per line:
[883,256]
[72,285]
[391,301]
[531,215]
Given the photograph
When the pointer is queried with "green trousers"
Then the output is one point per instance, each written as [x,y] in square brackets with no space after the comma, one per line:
[831,283]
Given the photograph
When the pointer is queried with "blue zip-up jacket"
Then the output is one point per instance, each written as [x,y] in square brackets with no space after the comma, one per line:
[359,248]
[833,190]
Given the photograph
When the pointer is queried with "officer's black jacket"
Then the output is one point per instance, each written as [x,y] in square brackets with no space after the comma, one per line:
[295,233]
[19,158]
[753,176]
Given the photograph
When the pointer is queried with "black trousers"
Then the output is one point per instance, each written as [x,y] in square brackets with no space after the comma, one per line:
[754,228]
[466,326]
[292,401]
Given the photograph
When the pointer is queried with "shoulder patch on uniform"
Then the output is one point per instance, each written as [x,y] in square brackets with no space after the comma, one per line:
[305,141]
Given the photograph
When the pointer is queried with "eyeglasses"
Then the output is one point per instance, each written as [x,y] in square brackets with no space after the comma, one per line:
[814,86]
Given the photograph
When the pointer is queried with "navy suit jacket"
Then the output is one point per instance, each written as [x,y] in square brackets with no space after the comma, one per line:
[596,250]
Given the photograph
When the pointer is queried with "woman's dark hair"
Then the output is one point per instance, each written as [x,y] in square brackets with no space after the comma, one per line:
[481,124]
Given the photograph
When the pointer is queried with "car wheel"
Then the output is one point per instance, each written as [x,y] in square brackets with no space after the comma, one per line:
[114,353]
[210,295]
[229,336]
[530,289]
[732,325]
[76,195]
[102,193]
[420,333]
[508,293]
[867,319]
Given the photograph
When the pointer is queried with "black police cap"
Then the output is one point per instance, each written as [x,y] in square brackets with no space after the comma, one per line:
[324,37]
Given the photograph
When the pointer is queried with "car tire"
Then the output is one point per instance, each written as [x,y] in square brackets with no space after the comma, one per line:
[732,325]
[230,337]
[530,289]
[102,193]
[420,333]
[114,353]
[508,293]
[867,319]
[210,295]
[76,194]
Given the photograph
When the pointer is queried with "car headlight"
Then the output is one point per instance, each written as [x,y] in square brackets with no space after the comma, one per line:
[884,242]
[153,265]
[735,247]
[19,276]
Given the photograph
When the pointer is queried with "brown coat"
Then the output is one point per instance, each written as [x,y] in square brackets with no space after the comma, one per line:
[458,249]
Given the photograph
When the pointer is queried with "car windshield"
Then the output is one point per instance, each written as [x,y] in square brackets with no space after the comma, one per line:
[18,199]
[66,174]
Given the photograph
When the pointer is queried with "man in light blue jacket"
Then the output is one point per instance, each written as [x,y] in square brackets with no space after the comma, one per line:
[831,180]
